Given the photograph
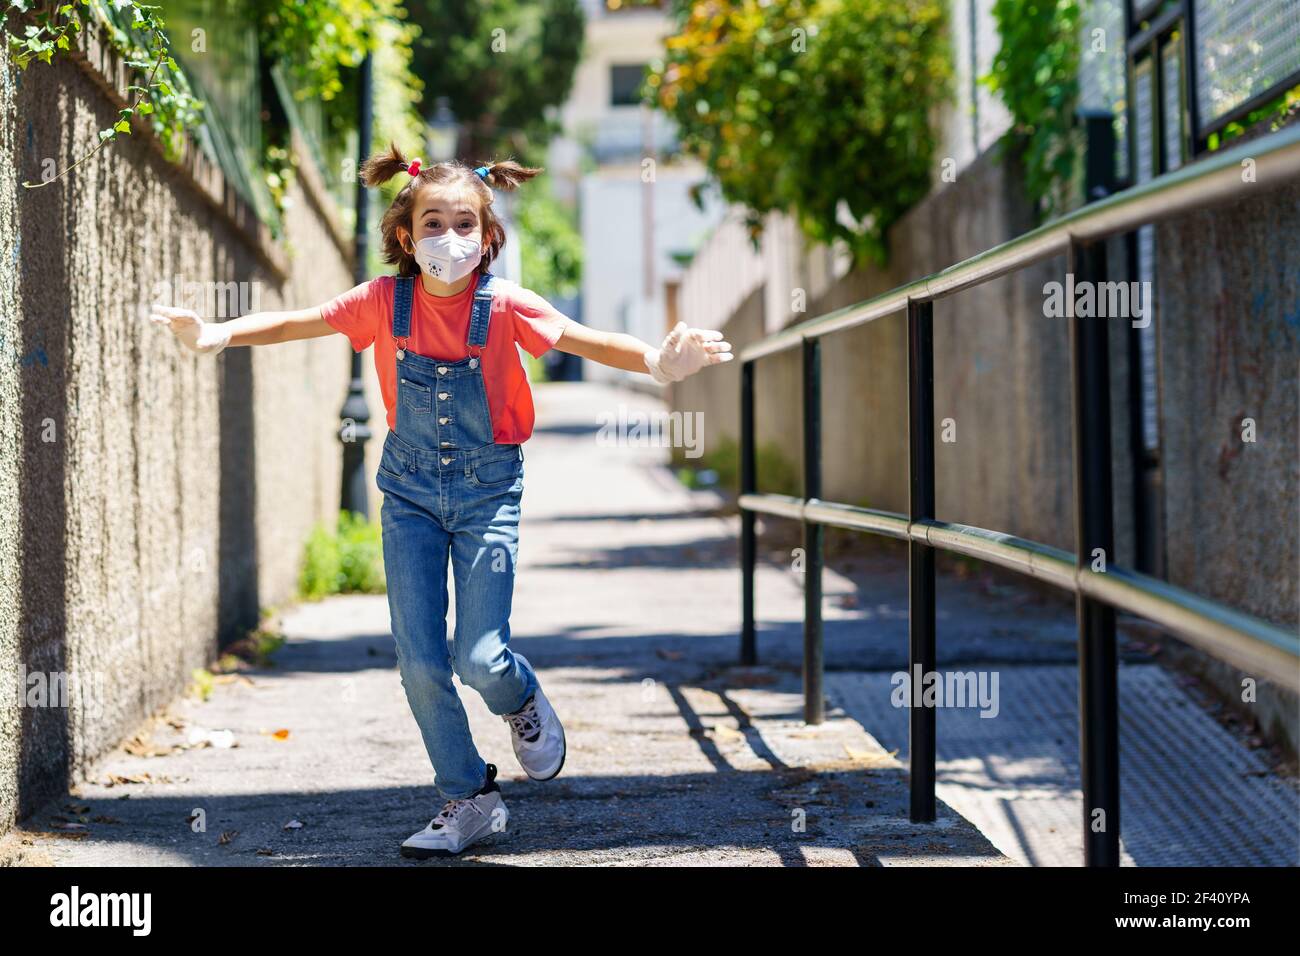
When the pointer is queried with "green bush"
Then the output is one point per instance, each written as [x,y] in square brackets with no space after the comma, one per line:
[777,474]
[349,559]
[816,108]
[1036,73]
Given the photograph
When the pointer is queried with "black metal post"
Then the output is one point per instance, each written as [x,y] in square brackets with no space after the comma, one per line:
[354,427]
[1099,176]
[748,485]
[921,638]
[1094,543]
[814,707]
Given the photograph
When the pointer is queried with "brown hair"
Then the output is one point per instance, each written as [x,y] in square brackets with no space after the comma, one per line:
[382,167]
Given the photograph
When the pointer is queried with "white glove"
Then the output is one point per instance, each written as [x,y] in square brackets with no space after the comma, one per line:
[685,351]
[206,338]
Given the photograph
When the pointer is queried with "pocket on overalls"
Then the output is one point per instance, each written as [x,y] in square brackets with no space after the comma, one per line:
[393,463]
[498,471]
[415,397]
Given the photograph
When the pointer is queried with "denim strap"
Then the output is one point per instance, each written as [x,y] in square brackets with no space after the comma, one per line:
[403,296]
[481,313]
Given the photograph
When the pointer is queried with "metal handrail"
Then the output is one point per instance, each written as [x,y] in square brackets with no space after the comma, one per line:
[1215,179]
[1257,647]
[1249,643]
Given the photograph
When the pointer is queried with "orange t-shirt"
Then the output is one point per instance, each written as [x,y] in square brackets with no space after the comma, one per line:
[439,330]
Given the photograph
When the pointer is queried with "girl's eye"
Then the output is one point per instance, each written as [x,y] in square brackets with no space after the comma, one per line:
[467,225]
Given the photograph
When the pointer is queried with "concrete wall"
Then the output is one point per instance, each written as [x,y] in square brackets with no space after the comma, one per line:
[150,500]
[1228,299]
[1001,374]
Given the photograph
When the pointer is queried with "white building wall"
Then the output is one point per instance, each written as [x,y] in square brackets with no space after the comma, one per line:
[598,163]
[614,293]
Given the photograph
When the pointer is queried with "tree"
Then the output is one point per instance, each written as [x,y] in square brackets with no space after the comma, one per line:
[503,64]
[817,108]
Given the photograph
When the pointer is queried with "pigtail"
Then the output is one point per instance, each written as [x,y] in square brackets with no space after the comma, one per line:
[381,167]
[508,175]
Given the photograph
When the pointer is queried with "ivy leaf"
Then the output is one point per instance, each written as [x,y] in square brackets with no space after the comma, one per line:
[122,126]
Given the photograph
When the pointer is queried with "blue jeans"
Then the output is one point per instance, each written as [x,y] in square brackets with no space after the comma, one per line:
[450,492]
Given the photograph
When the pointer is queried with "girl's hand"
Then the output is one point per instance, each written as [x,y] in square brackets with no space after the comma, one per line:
[206,338]
[685,351]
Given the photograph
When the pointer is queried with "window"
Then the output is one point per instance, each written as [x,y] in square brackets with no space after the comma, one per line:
[625,84]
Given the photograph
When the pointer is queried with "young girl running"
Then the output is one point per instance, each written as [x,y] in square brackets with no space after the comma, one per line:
[459,409]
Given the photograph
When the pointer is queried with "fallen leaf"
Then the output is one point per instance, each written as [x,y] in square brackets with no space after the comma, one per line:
[226,837]
[293,825]
[281,735]
[141,746]
[723,732]
[869,759]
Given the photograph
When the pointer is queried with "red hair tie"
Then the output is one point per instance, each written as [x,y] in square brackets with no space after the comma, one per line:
[413,167]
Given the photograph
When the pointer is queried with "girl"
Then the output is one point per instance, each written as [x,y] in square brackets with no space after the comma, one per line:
[459,409]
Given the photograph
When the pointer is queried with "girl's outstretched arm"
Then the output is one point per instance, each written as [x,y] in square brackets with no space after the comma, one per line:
[257,328]
[684,350]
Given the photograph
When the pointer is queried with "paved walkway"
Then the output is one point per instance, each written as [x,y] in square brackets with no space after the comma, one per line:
[627,602]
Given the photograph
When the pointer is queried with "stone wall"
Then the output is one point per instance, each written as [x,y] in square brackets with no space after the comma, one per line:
[151,500]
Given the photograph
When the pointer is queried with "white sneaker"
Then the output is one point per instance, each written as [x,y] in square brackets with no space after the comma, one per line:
[461,822]
[537,736]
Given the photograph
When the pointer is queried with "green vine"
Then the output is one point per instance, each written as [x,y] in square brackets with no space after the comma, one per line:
[1280,112]
[37,31]
[1036,72]
[319,42]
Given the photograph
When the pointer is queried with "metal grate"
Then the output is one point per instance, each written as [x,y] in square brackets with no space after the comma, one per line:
[1194,795]
[215,42]
[1171,62]
[1145,150]
[1102,66]
[1243,49]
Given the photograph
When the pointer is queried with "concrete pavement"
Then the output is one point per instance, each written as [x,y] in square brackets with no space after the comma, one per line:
[627,603]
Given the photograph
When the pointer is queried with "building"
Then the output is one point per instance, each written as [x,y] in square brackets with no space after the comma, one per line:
[617,159]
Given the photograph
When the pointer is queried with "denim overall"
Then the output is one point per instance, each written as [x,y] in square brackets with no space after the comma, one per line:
[450,490]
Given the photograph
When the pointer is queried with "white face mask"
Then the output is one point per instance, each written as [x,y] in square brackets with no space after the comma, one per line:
[448,257]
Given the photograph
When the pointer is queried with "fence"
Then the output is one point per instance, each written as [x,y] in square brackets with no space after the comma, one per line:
[1253,645]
